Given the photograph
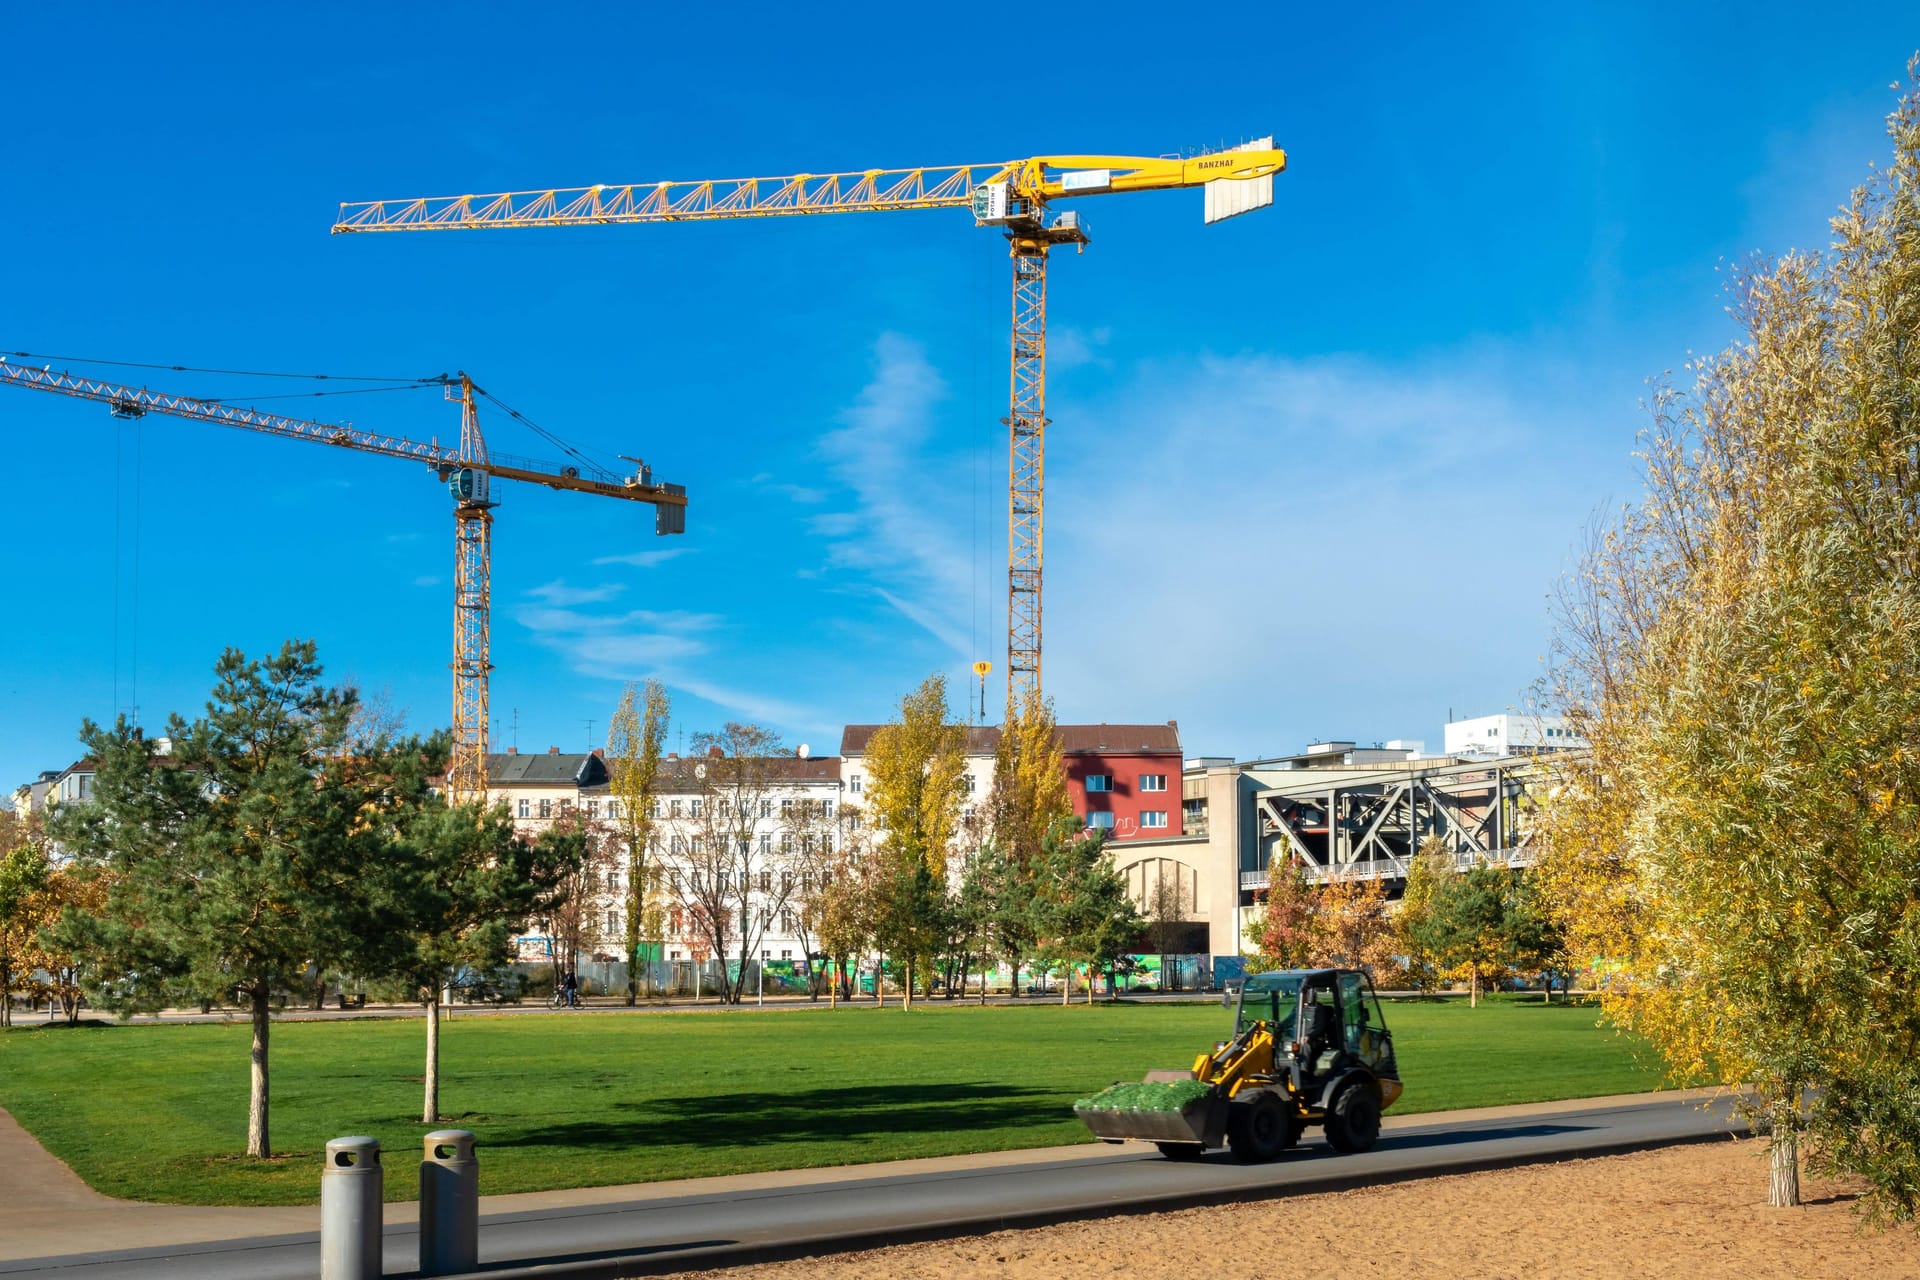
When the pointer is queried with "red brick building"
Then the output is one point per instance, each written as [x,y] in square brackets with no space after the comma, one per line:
[1125,777]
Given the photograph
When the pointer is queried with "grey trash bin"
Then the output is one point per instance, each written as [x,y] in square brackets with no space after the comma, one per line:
[449,1204]
[350,1210]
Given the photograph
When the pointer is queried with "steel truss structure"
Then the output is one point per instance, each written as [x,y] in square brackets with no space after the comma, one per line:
[1370,824]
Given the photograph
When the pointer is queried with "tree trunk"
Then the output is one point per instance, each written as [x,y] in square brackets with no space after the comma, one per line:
[259,1142]
[1473,988]
[1783,1152]
[430,1101]
[1066,987]
[6,994]
[906,988]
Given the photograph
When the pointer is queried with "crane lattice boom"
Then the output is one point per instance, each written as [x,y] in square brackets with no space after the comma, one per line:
[468,467]
[1036,181]
[1013,195]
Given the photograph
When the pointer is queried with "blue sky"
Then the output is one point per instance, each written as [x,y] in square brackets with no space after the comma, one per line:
[1312,472]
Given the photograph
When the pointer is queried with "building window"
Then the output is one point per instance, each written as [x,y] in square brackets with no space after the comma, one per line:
[786,842]
[786,807]
[693,807]
[968,784]
[613,810]
[673,808]
[787,954]
[1153,817]
[1153,782]
[826,808]
[593,810]
[766,843]
[1099,782]
[673,878]
[1100,821]
[855,822]
[853,783]
[613,922]
[546,808]
[766,808]
[766,882]
[526,807]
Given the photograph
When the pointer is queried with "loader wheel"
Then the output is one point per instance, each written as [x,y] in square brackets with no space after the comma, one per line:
[1353,1121]
[1257,1126]
[1181,1150]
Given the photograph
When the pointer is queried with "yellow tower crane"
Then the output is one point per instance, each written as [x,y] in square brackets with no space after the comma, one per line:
[1013,196]
[466,470]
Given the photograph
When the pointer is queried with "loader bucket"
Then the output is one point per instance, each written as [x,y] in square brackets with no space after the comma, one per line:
[1156,1111]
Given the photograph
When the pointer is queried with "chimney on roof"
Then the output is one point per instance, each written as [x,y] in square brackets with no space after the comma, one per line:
[673,755]
[596,751]
[553,751]
[715,753]
[513,751]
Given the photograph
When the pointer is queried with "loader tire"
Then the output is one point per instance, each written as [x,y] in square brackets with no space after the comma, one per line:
[1181,1150]
[1353,1121]
[1258,1126]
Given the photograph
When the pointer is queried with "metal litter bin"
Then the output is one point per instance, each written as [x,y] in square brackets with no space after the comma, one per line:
[449,1204]
[350,1210]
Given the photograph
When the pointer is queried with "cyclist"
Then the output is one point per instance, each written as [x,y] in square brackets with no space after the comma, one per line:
[569,990]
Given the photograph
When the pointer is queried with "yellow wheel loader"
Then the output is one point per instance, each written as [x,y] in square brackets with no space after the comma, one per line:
[1309,1046]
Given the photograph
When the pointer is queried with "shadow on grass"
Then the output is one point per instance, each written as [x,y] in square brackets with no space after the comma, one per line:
[810,1115]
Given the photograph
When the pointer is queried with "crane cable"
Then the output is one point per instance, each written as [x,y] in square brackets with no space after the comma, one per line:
[401,384]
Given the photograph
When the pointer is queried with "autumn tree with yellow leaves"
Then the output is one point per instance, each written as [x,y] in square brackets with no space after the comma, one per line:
[916,767]
[1742,650]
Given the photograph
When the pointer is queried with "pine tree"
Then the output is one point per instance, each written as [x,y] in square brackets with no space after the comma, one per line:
[238,860]
[1083,911]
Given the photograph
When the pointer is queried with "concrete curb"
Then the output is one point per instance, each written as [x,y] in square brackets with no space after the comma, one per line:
[639,1263]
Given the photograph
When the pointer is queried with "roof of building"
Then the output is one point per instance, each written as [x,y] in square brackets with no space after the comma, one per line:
[677,772]
[1114,739]
[555,768]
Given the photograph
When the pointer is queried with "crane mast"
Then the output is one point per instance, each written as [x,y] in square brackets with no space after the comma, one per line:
[1013,195]
[468,471]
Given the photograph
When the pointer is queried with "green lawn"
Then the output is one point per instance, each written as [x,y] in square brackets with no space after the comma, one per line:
[157,1112]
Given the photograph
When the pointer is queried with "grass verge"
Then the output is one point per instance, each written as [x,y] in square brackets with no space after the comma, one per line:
[158,1113]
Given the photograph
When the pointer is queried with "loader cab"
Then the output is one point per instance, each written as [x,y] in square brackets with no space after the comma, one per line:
[1324,1021]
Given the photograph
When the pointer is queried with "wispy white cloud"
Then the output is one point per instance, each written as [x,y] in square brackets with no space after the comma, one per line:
[902,538]
[1069,347]
[560,594]
[805,495]
[1272,549]
[645,559]
[426,580]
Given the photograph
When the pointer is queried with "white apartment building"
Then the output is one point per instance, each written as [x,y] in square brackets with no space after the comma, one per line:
[1511,734]
[745,837]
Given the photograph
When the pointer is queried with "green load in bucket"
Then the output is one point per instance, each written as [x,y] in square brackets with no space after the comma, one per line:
[1156,1095]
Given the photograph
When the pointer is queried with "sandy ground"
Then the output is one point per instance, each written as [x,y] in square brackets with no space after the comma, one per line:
[1697,1211]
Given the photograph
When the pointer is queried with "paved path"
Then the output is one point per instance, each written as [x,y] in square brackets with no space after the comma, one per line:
[50,1225]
